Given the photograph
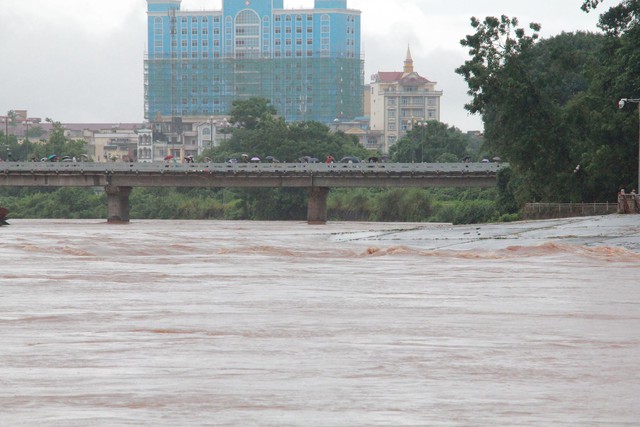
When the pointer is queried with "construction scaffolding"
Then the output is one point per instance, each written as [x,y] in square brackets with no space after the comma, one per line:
[300,89]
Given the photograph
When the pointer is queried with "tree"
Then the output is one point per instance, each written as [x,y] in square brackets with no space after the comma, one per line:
[618,19]
[430,142]
[529,93]
[249,113]
[59,144]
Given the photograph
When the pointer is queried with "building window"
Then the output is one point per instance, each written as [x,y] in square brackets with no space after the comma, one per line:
[247,34]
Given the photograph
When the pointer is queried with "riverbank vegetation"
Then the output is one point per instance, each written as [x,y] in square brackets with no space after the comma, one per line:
[410,205]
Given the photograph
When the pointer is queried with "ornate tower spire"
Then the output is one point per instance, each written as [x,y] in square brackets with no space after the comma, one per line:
[408,63]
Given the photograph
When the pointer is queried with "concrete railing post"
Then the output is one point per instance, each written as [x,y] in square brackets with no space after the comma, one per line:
[117,204]
[317,205]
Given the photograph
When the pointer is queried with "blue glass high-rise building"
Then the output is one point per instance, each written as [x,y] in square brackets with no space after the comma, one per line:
[306,62]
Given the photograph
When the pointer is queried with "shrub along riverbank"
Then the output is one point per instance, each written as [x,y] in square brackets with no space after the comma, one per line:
[456,206]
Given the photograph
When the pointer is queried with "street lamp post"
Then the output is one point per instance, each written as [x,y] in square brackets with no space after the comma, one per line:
[6,129]
[210,132]
[27,122]
[621,105]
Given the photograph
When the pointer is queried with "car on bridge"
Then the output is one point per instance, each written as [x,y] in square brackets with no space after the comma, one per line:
[349,159]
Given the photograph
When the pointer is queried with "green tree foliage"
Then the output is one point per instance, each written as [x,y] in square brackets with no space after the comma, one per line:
[431,142]
[68,203]
[57,144]
[250,113]
[549,106]
[272,136]
[411,205]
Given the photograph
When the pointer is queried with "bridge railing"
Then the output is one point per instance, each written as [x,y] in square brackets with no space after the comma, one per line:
[302,168]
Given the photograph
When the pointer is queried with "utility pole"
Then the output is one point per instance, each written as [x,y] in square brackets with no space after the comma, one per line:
[621,105]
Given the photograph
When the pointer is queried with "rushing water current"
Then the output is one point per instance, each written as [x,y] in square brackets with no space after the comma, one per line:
[190,323]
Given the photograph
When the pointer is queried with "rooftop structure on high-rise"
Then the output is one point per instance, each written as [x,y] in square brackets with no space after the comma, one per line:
[306,62]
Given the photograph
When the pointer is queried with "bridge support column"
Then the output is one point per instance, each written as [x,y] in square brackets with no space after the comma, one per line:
[117,204]
[317,205]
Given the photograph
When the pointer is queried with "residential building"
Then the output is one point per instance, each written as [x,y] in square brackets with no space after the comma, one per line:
[359,127]
[306,62]
[400,100]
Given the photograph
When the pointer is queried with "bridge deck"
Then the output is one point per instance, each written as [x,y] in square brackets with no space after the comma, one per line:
[247,174]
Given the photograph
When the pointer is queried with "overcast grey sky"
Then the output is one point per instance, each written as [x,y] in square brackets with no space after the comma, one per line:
[82,60]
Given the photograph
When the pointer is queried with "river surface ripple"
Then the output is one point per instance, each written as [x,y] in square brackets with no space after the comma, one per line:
[284,324]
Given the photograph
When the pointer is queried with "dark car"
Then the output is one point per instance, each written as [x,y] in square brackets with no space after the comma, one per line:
[349,159]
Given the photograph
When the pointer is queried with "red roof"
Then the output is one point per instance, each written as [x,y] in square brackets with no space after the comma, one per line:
[400,77]
[389,76]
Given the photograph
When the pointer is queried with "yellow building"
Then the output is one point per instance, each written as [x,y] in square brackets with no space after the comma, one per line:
[399,100]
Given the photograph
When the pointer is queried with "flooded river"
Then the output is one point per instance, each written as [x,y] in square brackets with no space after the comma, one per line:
[223,323]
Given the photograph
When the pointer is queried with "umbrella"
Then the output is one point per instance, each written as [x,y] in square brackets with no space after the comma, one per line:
[52,157]
[255,159]
[169,157]
[496,159]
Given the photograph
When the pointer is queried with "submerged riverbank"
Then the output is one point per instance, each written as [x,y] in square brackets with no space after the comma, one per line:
[616,231]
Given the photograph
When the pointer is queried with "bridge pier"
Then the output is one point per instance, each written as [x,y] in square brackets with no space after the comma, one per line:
[317,205]
[117,204]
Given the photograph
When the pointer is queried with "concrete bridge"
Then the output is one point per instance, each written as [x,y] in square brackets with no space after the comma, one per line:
[317,178]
